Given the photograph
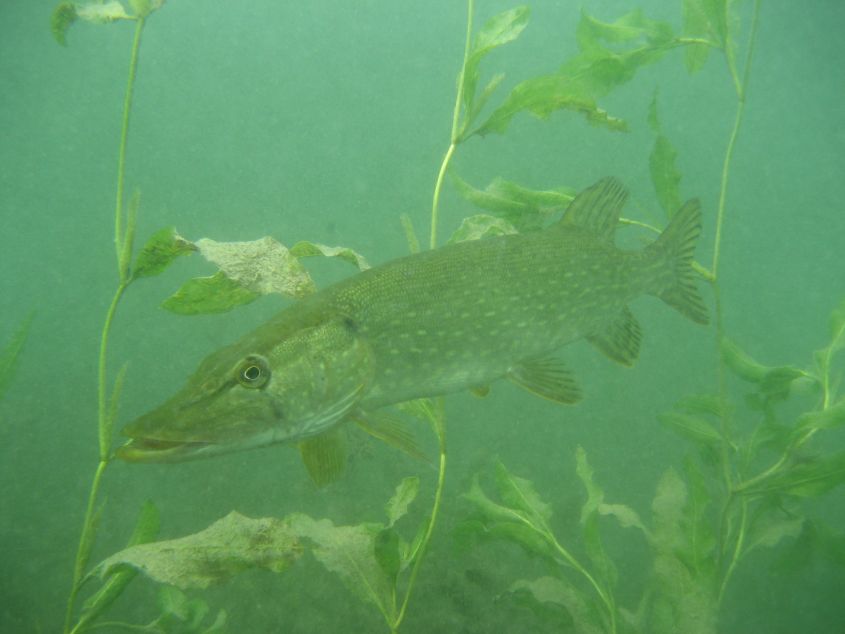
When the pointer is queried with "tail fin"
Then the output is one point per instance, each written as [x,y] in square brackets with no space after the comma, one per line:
[677,246]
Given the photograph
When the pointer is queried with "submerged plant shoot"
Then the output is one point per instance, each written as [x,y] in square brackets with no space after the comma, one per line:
[599,393]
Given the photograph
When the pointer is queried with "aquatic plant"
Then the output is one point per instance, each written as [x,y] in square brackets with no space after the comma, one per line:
[11,352]
[703,523]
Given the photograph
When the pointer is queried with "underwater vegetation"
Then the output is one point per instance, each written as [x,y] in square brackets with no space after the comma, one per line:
[754,452]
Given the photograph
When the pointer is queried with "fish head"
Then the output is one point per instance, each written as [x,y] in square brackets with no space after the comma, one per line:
[255,393]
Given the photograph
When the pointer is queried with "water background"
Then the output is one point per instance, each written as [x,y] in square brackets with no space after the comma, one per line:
[325,121]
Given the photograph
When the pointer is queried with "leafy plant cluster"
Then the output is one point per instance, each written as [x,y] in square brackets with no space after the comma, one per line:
[727,502]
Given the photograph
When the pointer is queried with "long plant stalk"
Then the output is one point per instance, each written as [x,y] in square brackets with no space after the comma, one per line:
[726,531]
[454,136]
[123,245]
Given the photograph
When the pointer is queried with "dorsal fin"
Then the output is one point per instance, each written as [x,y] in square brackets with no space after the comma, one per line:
[597,208]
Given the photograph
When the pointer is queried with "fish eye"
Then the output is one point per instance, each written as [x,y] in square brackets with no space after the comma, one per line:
[253,371]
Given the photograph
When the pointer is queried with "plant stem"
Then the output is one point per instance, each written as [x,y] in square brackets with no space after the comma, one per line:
[439,424]
[454,137]
[104,422]
[124,135]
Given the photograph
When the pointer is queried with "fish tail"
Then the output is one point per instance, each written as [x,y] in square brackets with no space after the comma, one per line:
[676,246]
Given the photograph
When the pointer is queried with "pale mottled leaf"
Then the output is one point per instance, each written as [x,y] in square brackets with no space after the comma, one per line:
[261,266]
[102,12]
[624,514]
[830,418]
[559,592]
[227,547]
[665,176]
[406,492]
[481,226]
[349,552]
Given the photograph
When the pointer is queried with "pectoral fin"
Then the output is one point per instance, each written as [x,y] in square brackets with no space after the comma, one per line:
[546,377]
[324,456]
[392,431]
[621,340]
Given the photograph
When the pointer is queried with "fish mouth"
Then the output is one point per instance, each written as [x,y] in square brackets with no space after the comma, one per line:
[155,450]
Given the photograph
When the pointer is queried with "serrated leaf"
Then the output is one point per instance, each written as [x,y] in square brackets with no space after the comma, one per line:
[519,493]
[543,95]
[481,226]
[770,525]
[164,246]
[208,295]
[665,176]
[624,514]
[305,249]
[500,29]
[590,516]
[595,495]
[260,266]
[830,418]
[691,427]
[11,352]
[227,547]
[406,492]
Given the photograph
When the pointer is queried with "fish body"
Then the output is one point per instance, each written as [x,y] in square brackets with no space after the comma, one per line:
[450,319]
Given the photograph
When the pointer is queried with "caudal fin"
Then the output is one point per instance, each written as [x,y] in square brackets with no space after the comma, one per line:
[676,245]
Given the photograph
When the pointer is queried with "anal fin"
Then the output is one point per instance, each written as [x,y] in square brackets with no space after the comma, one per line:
[546,377]
[324,456]
[620,340]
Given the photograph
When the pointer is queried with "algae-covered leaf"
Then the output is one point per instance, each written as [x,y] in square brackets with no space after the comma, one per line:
[699,16]
[557,591]
[498,30]
[208,295]
[481,226]
[261,266]
[146,530]
[164,246]
[406,492]
[595,495]
[624,514]
[387,551]
[349,552]
[11,352]
[305,249]
[665,176]
[231,545]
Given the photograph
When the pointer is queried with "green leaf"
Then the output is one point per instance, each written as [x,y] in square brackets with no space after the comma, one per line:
[741,363]
[593,35]
[11,352]
[406,492]
[830,418]
[557,591]
[305,249]
[260,266]
[498,30]
[692,428]
[227,547]
[543,95]
[387,553]
[700,534]
[181,615]
[595,495]
[837,327]
[625,515]
[481,226]
[770,525]
[164,246]
[208,295]
[349,552]
[590,518]
[519,493]
[146,530]
[665,176]
[696,24]
[63,16]
[809,477]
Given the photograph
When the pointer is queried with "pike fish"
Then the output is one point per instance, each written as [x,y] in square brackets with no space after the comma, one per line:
[455,318]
